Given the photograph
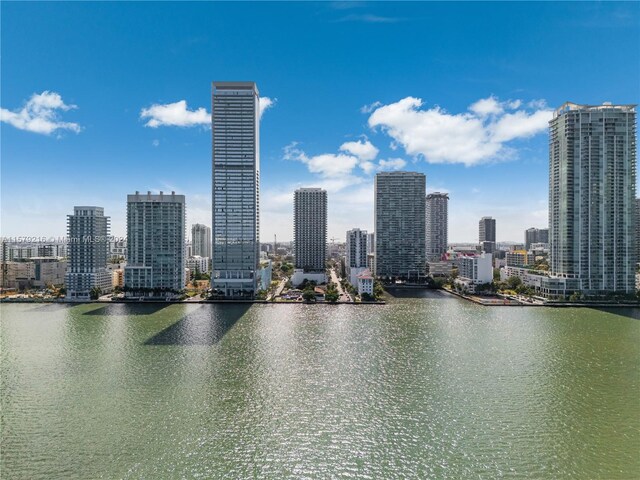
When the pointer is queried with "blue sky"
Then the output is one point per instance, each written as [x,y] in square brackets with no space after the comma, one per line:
[105,98]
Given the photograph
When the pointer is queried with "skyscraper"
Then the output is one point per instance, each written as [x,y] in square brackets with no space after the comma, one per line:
[310,234]
[88,252]
[637,230]
[487,234]
[200,240]
[592,185]
[356,254]
[399,211]
[535,235]
[155,242]
[236,188]
[437,225]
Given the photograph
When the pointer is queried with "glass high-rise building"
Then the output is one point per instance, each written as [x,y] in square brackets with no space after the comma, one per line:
[437,225]
[156,243]
[592,195]
[400,219]
[235,115]
[200,240]
[88,252]
[487,234]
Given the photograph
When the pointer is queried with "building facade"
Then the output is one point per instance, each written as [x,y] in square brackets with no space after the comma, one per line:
[235,112]
[399,211]
[200,241]
[535,235]
[155,243]
[356,254]
[437,224]
[592,195]
[88,253]
[487,234]
[310,234]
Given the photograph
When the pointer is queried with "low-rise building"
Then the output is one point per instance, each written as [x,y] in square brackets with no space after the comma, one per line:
[198,264]
[518,258]
[475,270]
[440,269]
[365,283]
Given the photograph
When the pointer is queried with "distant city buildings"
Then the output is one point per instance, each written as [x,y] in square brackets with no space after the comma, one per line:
[235,112]
[487,234]
[400,218]
[356,254]
[592,186]
[200,241]
[437,225]
[535,235]
[310,234]
[155,241]
[88,253]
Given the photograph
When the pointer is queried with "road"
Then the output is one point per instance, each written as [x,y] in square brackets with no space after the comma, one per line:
[344,297]
[279,289]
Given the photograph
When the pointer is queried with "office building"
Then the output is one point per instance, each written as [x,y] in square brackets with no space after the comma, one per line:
[474,270]
[310,234]
[437,225]
[200,241]
[399,211]
[535,235]
[592,196]
[236,189]
[155,245]
[487,234]
[88,253]
[356,254]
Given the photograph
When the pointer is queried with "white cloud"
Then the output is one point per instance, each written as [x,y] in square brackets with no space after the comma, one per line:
[266,103]
[174,115]
[40,114]
[392,164]
[178,114]
[155,143]
[473,137]
[371,107]
[365,151]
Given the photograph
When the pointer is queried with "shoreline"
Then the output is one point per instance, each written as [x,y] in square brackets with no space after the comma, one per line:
[183,302]
[515,303]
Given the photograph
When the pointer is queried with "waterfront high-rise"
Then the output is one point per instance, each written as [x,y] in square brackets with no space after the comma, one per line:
[535,235]
[155,242]
[200,241]
[637,239]
[437,224]
[235,115]
[399,211]
[356,254]
[592,186]
[88,253]
[310,233]
[487,234]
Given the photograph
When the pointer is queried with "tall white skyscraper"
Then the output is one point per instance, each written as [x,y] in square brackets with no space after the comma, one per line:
[88,252]
[592,186]
[235,115]
[310,233]
[200,240]
[155,242]
[437,225]
[400,225]
[356,254]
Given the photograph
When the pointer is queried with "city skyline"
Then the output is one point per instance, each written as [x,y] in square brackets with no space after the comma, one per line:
[318,129]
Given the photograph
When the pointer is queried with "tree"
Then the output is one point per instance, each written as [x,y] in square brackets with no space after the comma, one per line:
[378,289]
[95,293]
[513,282]
[332,296]
[308,295]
